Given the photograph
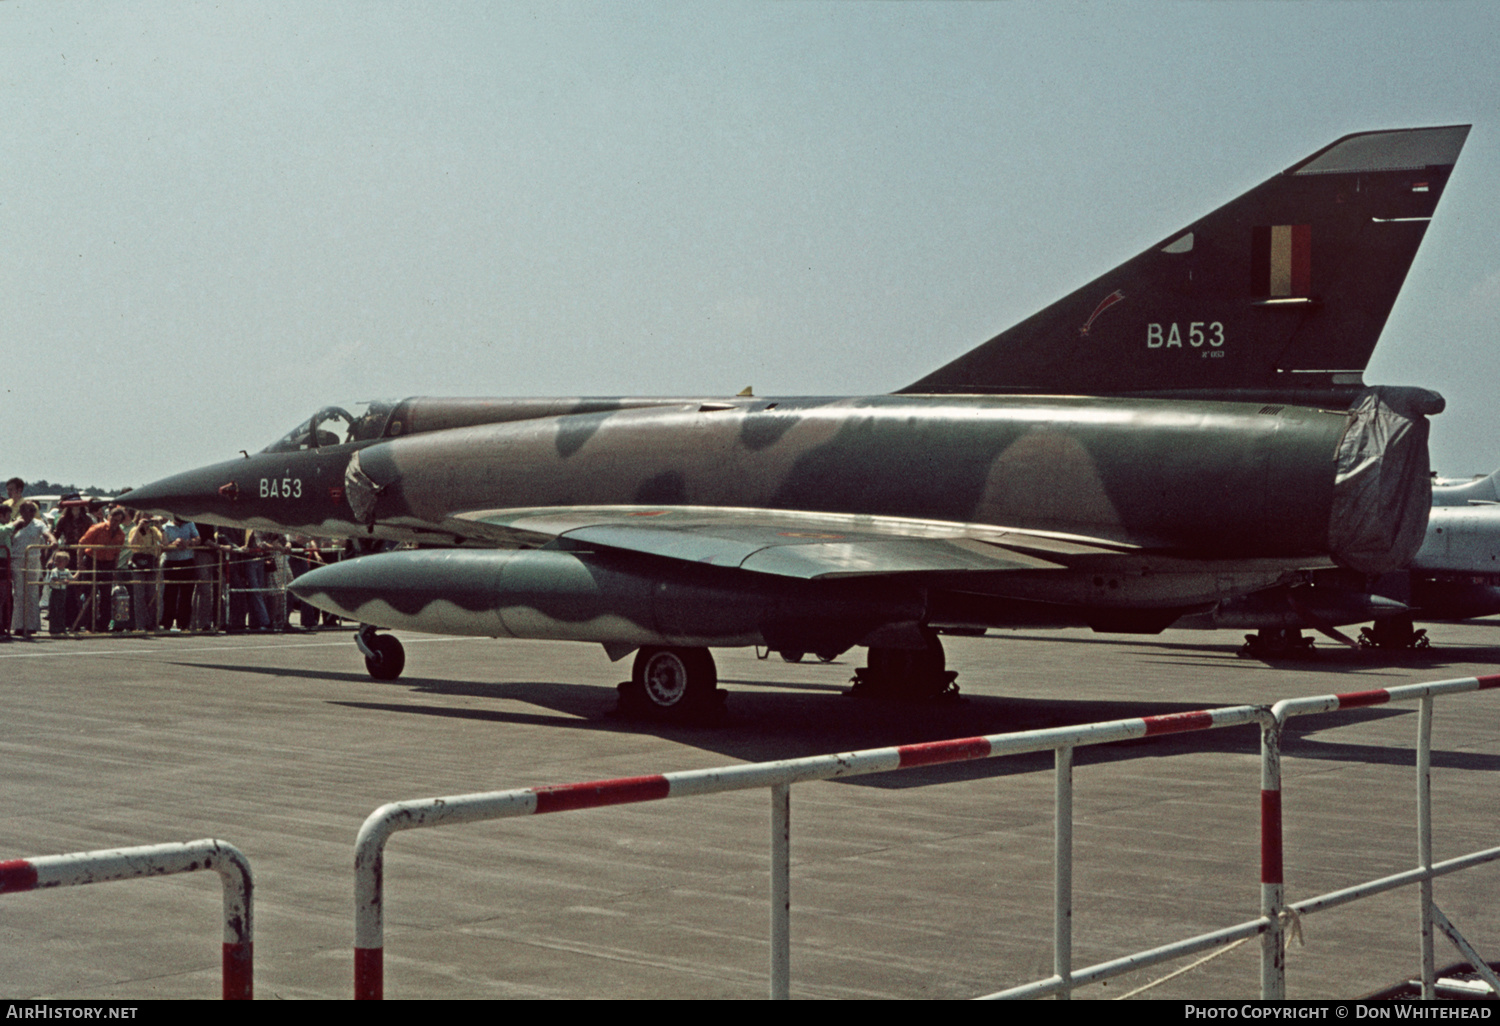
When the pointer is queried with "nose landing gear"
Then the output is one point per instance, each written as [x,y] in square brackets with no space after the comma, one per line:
[385,657]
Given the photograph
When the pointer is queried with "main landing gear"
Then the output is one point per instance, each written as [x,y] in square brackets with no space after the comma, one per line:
[912,673]
[1277,643]
[385,657]
[674,683]
[792,655]
[1393,632]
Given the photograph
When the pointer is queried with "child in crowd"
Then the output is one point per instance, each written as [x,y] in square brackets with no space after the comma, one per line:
[62,600]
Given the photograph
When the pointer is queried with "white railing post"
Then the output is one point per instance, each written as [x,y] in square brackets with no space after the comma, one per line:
[1424,843]
[781,891]
[1062,873]
[1272,885]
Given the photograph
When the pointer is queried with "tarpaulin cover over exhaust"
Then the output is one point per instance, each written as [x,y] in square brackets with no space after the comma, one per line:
[1382,485]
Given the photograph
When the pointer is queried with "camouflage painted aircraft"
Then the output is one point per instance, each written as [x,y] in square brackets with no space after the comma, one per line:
[1189,427]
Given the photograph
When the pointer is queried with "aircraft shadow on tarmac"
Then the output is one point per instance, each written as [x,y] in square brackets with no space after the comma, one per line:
[1325,658]
[800,719]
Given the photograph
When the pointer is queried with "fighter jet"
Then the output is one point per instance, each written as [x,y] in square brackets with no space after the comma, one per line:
[1191,426]
[1455,574]
[1480,491]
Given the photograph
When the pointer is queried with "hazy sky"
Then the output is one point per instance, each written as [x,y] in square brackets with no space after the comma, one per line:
[217,217]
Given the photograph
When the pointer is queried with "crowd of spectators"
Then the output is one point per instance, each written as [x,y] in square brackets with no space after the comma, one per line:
[99,567]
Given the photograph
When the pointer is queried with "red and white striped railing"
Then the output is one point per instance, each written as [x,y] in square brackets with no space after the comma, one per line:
[369,916]
[779,776]
[1275,912]
[234,869]
[86,867]
[1273,943]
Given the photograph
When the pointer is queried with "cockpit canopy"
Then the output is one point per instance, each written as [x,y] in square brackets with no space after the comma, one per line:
[336,425]
[386,418]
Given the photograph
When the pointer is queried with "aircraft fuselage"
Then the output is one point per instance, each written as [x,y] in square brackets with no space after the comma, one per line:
[1211,498]
[1232,479]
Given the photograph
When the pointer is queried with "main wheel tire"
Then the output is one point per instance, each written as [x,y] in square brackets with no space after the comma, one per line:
[389,659]
[791,656]
[675,680]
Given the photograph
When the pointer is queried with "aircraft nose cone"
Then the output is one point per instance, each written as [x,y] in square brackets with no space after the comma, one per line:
[192,495]
[161,496]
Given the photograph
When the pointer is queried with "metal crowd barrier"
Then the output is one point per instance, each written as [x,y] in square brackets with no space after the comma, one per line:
[1271,924]
[213,588]
[237,958]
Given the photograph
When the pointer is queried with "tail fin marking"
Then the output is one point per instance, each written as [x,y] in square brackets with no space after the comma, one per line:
[1285,289]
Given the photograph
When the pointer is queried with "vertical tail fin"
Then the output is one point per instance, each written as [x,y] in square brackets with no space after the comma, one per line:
[1481,491]
[1283,291]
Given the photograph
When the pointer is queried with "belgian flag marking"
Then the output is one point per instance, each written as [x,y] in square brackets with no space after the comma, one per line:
[1281,260]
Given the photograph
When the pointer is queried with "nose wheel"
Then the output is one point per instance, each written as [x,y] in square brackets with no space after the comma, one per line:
[385,657]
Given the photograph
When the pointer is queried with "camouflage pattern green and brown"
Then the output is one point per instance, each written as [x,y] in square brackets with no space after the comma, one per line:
[1190,427]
